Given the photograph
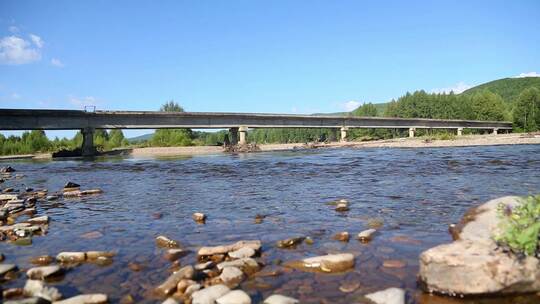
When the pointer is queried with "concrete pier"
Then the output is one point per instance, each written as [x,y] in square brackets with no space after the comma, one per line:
[243,135]
[495,130]
[343,134]
[459,131]
[411,132]
[88,148]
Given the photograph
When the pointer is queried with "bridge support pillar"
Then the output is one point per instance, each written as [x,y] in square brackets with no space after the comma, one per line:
[411,132]
[243,135]
[495,130]
[343,134]
[87,148]
[459,131]
[233,132]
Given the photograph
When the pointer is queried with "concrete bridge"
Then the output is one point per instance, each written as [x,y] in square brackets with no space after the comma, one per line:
[237,123]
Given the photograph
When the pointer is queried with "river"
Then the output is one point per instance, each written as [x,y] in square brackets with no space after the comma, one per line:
[417,193]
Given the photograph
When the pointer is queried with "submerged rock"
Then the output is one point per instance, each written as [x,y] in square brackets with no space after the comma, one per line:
[279,299]
[42,260]
[366,235]
[5,268]
[97,298]
[342,236]
[472,264]
[340,207]
[7,169]
[175,254]
[234,297]
[388,296]
[210,294]
[326,263]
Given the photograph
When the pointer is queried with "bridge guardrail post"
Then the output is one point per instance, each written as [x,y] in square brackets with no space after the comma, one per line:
[411,132]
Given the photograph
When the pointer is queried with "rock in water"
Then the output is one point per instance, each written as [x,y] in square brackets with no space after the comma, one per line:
[169,286]
[71,257]
[163,241]
[97,298]
[342,236]
[471,265]
[223,249]
[366,235]
[7,169]
[231,276]
[279,299]
[210,294]
[290,243]
[199,217]
[5,268]
[388,296]
[43,272]
[71,185]
[234,297]
[244,252]
[326,263]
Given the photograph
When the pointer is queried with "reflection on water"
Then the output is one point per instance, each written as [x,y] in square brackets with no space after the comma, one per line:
[415,192]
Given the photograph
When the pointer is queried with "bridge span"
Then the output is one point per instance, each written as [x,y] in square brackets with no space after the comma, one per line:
[237,123]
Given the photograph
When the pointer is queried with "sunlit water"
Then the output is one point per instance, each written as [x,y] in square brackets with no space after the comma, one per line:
[416,192]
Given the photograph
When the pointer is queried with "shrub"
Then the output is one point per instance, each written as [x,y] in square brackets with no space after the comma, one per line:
[520,227]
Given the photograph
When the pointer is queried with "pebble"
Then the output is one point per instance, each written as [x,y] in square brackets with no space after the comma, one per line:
[199,217]
[52,197]
[231,276]
[279,299]
[248,265]
[388,296]
[340,207]
[394,264]
[223,249]
[210,294]
[93,255]
[203,266]
[43,272]
[175,254]
[342,236]
[97,298]
[163,241]
[326,263]
[5,268]
[244,252]
[349,286]
[290,242]
[169,286]
[70,257]
[234,297]
[39,220]
[184,284]
[366,235]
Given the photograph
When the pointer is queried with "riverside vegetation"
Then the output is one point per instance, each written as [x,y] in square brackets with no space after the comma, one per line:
[517,100]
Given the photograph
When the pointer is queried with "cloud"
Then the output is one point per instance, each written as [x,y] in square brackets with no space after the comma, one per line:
[350,105]
[57,63]
[15,50]
[457,88]
[13,29]
[81,102]
[15,96]
[36,40]
[529,74]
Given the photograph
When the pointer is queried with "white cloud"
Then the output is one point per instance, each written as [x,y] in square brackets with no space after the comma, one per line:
[457,88]
[15,96]
[13,29]
[36,40]
[57,63]
[15,50]
[84,101]
[529,74]
[351,105]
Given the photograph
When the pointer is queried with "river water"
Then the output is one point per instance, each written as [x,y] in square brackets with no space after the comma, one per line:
[417,193]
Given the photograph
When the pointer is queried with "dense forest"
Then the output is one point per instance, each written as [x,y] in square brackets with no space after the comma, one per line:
[516,100]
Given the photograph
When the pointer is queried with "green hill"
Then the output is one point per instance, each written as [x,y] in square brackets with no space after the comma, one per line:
[508,88]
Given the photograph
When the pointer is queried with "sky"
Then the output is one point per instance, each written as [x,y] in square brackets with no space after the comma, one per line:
[256,56]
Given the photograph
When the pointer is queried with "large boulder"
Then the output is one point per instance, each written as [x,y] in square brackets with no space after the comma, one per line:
[473,264]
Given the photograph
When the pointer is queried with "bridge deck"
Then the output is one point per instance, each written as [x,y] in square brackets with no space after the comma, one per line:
[17,119]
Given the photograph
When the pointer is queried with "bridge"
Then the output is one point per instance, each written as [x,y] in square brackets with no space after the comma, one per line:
[237,123]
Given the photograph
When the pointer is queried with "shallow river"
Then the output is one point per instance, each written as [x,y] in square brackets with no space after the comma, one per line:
[417,193]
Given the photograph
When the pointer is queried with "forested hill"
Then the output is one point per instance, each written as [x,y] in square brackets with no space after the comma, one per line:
[508,88]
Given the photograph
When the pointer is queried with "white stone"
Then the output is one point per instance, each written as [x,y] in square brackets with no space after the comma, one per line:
[326,263]
[42,272]
[231,276]
[71,257]
[279,299]
[170,301]
[5,268]
[244,264]
[210,294]
[388,296]
[366,235]
[244,252]
[39,220]
[223,249]
[97,298]
[235,297]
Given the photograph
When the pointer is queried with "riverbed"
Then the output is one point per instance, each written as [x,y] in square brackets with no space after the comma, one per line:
[415,193]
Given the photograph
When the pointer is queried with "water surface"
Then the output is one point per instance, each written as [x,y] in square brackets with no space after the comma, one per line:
[416,192]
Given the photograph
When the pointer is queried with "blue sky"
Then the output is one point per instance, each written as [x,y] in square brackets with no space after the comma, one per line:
[256,56]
